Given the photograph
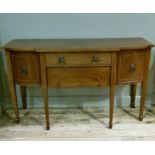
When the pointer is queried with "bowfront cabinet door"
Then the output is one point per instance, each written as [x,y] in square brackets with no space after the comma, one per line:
[26,68]
[130,66]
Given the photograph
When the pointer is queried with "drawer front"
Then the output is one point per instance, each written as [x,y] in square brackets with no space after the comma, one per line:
[130,66]
[26,68]
[78,59]
[84,76]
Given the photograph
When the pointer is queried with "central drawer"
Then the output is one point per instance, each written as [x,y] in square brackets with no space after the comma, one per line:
[78,76]
[77,59]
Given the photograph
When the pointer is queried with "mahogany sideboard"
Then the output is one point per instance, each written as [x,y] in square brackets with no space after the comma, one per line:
[78,63]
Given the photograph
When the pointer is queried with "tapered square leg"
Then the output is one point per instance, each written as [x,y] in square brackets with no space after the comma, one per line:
[23,95]
[142,102]
[44,88]
[12,86]
[45,96]
[111,110]
[112,89]
[144,84]
[133,95]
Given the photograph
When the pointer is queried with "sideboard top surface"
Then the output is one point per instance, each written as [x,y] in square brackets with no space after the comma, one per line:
[71,45]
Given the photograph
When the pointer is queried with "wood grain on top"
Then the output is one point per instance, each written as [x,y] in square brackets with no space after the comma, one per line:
[59,45]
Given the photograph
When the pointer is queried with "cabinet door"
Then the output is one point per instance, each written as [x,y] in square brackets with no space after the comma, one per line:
[130,66]
[26,68]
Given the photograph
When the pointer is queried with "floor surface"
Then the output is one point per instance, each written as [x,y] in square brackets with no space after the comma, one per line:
[79,124]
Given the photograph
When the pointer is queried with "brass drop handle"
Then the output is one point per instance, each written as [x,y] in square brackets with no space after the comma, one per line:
[24,70]
[61,59]
[94,59]
[132,67]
